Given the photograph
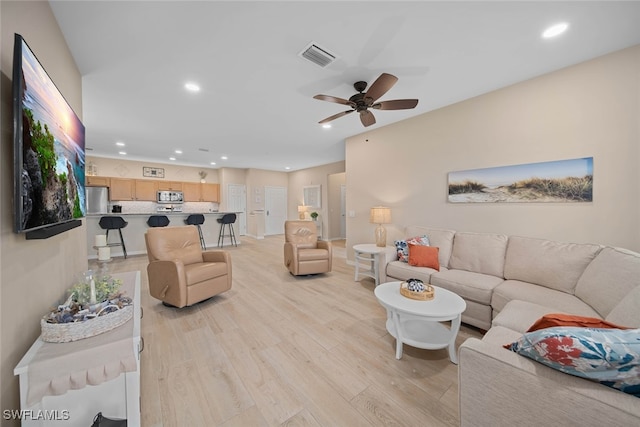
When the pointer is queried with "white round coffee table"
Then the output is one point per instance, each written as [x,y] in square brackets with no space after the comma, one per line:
[418,323]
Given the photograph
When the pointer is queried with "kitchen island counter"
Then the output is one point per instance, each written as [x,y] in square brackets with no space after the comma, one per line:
[133,233]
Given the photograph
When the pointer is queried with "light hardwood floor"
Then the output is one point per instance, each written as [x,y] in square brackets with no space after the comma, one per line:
[283,350]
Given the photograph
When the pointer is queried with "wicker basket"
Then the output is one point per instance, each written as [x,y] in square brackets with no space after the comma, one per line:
[74,331]
[425,295]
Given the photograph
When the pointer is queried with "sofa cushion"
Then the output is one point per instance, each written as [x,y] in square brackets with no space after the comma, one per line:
[470,286]
[479,252]
[402,246]
[423,256]
[561,319]
[520,315]
[611,275]
[556,301]
[627,312]
[443,239]
[552,264]
[402,271]
[608,356]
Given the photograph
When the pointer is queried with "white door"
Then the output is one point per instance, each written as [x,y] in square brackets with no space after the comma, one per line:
[275,210]
[343,211]
[237,202]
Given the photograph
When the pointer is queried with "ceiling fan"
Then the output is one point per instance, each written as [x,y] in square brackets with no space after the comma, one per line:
[362,101]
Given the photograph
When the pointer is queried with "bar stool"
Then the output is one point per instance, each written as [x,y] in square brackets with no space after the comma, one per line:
[158,221]
[227,219]
[197,220]
[114,223]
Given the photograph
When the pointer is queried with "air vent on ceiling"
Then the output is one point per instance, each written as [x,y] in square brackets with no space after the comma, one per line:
[318,55]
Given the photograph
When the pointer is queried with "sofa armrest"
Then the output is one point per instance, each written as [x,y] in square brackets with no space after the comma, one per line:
[497,386]
[167,281]
[386,256]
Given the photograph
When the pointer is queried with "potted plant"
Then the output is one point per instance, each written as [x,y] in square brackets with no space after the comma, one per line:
[314,216]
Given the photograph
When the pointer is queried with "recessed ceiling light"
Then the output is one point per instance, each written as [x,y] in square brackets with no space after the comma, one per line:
[213,163]
[326,126]
[287,167]
[124,153]
[192,87]
[555,30]
[178,151]
[120,144]
[224,157]
[172,158]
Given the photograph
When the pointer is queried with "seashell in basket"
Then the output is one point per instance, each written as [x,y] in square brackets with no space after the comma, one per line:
[74,331]
[416,289]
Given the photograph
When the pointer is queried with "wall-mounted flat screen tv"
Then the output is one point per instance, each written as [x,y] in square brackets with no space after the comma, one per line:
[49,154]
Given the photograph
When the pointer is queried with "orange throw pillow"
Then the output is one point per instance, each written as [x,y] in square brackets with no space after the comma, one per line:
[560,319]
[424,256]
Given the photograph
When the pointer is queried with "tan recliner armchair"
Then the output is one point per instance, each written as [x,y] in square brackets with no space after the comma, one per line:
[180,272]
[303,252]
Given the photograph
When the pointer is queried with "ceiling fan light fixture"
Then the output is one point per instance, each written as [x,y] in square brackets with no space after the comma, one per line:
[362,101]
[326,125]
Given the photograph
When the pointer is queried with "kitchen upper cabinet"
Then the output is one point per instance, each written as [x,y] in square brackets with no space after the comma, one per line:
[210,192]
[197,192]
[170,185]
[122,189]
[191,191]
[97,181]
[146,189]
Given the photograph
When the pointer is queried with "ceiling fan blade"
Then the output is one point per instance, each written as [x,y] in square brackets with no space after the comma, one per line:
[335,99]
[380,87]
[367,118]
[335,116]
[396,104]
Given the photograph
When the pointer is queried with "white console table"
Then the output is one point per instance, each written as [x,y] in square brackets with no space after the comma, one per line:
[86,362]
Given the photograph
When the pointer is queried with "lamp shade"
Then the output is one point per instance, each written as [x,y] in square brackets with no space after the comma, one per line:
[302,211]
[380,215]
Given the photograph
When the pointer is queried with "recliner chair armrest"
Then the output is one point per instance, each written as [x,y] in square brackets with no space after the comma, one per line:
[325,244]
[216,256]
[291,257]
[167,282]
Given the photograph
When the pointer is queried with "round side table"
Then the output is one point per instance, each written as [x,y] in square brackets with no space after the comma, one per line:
[420,323]
[370,254]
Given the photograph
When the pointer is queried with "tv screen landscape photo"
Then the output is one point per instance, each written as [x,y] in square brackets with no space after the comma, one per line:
[49,151]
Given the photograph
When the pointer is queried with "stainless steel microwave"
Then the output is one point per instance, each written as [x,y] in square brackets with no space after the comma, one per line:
[170,197]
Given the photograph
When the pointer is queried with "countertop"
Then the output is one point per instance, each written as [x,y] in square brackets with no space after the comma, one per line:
[161,213]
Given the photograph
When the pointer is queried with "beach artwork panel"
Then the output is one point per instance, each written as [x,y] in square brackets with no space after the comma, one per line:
[546,182]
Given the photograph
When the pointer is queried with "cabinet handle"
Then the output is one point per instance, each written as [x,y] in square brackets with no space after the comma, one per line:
[141,345]
[141,312]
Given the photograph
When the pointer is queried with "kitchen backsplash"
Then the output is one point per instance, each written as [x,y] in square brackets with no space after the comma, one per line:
[132,207]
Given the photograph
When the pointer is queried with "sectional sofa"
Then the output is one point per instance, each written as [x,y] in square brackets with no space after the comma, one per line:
[509,282]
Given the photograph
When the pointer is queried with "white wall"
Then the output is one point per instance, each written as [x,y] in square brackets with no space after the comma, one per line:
[34,273]
[588,110]
[123,168]
[313,176]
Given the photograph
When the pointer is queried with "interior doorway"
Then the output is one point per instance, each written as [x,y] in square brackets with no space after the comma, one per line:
[237,202]
[275,210]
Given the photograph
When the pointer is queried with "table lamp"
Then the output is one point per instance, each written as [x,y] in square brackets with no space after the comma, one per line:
[302,211]
[380,215]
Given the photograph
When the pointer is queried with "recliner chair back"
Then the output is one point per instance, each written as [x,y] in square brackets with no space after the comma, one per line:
[171,243]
